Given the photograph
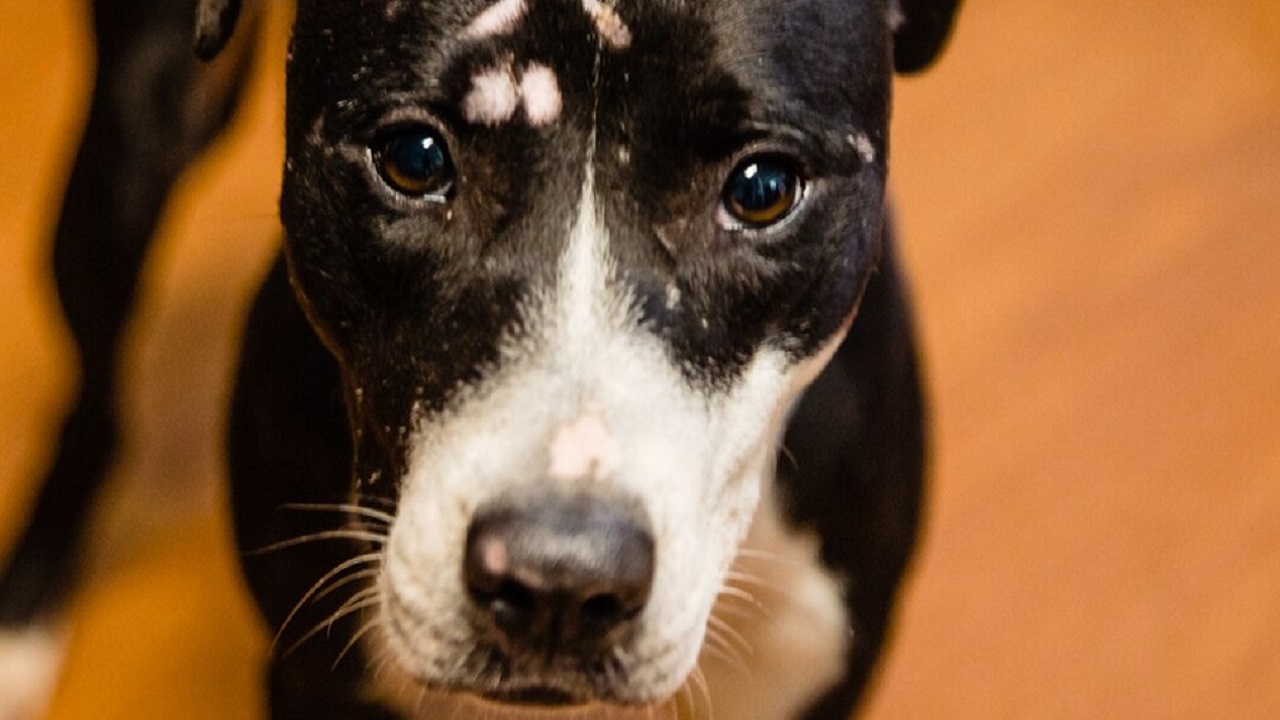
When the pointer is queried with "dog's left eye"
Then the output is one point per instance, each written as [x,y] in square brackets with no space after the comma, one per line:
[413,161]
[761,191]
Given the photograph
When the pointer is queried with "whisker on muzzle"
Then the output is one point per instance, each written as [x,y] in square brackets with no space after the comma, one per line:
[356,637]
[362,600]
[385,518]
[319,590]
[375,538]
[748,606]
[719,649]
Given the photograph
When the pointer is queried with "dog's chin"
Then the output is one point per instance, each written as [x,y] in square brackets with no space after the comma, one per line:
[562,685]
[534,697]
[529,700]
[562,691]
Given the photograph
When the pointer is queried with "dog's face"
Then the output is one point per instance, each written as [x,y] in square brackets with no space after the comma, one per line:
[576,259]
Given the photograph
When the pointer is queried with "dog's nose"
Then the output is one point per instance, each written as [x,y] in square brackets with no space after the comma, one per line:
[558,573]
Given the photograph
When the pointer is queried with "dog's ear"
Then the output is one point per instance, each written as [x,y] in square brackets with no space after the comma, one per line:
[215,20]
[920,30]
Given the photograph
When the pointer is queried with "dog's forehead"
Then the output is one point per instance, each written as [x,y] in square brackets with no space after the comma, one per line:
[782,50]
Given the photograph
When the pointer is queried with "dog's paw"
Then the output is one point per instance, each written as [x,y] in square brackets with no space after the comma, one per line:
[30,659]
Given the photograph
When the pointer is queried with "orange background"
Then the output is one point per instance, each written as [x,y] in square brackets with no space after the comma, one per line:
[1090,199]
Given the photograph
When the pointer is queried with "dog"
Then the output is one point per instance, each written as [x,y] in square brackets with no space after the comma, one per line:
[585,382]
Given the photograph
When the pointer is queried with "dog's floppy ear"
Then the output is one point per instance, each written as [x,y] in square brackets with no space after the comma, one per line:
[920,30]
[215,20]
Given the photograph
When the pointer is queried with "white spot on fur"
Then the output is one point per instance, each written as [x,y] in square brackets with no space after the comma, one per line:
[583,448]
[863,145]
[613,31]
[541,93]
[493,98]
[29,664]
[394,8]
[673,296]
[500,18]
[895,16]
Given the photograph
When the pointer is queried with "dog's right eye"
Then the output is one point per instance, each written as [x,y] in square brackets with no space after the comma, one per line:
[413,161]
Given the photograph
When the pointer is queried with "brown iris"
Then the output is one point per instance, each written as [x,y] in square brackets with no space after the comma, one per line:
[413,161]
[761,191]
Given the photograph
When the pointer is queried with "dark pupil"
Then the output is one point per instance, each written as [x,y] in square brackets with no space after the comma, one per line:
[759,186]
[416,157]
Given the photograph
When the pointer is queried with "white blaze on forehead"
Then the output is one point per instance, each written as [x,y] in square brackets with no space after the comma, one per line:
[583,448]
[493,98]
[500,18]
[613,31]
[541,93]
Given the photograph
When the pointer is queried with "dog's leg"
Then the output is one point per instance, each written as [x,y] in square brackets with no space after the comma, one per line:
[154,108]
[853,471]
[290,446]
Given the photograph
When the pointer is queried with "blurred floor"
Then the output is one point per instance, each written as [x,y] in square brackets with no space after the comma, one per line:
[1090,196]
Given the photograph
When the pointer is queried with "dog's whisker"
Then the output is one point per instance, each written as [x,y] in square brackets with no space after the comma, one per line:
[743,613]
[366,500]
[311,594]
[730,635]
[355,638]
[755,581]
[362,600]
[686,695]
[723,649]
[704,689]
[353,577]
[422,699]
[750,553]
[732,592]
[361,535]
[718,649]
[385,518]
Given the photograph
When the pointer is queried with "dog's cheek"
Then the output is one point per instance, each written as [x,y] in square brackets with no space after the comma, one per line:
[422,609]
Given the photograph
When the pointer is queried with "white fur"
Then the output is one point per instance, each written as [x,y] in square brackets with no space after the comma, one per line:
[493,98]
[862,144]
[583,448]
[495,95]
[541,93]
[500,18]
[29,664]
[614,33]
[895,16]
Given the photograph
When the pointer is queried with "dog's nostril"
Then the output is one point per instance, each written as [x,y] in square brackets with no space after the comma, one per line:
[513,606]
[560,573]
[601,612]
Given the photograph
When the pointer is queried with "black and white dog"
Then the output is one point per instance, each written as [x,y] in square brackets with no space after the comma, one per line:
[585,383]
